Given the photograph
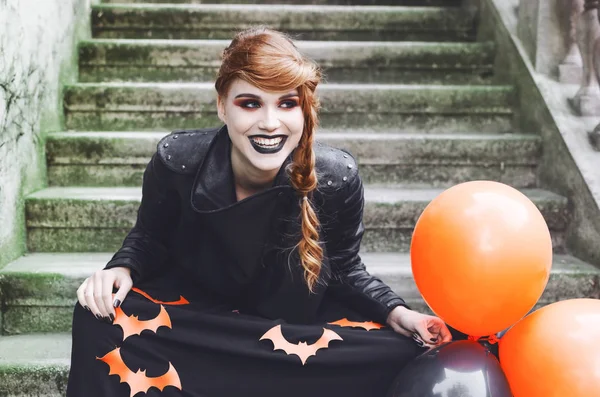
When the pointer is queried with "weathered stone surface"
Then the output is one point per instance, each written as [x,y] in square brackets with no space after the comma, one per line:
[570,278]
[444,3]
[167,106]
[568,165]
[119,158]
[97,219]
[34,319]
[398,240]
[37,57]
[75,239]
[543,27]
[381,148]
[309,22]
[434,175]
[367,62]
[34,365]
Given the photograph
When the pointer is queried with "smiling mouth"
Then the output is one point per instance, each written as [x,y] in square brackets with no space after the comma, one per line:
[266,144]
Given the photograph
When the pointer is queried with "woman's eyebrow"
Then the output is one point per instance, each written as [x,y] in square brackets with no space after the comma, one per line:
[290,95]
[246,95]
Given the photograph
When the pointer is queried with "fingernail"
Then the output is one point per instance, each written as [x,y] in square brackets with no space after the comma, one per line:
[434,340]
[99,317]
[420,343]
[117,303]
[87,308]
[112,317]
[107,320]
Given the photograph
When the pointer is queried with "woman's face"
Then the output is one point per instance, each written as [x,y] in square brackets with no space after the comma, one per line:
[264,126]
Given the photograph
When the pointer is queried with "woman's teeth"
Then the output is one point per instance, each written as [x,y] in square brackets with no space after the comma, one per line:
[267,142]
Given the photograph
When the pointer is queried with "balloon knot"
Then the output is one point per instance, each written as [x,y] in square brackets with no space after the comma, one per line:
[493,339]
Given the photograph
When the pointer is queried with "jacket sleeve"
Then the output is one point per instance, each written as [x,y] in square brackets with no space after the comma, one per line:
[350,281]
[144,249]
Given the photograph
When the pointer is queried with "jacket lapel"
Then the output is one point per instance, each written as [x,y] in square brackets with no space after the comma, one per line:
[214,187]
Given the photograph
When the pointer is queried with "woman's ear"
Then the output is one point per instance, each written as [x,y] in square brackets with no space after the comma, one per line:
[221,109]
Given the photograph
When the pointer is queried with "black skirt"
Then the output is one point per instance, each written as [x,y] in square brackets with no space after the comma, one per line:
[170,339]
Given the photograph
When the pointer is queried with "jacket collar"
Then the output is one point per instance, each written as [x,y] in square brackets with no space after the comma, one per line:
[214,188]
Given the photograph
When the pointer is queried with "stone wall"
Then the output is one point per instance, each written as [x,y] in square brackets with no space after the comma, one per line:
[543,29]
[37,56]
[568,166]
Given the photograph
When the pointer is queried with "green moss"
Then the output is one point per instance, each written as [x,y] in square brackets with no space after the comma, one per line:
[75,239]
[33,380]
[51,118]
[96,175]
[33,319]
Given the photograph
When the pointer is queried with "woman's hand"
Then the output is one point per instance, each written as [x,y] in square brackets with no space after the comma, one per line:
[424,329]
[95,293]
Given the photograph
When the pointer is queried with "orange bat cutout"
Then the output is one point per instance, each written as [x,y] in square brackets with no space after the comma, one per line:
[132,326]
[181,301]
[302,349]
[138,381]
[368,325]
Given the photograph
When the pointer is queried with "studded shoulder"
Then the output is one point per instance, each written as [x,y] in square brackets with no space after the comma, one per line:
[335,167]
[182,151]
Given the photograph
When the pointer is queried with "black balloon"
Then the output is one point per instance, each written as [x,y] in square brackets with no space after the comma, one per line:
[456,369]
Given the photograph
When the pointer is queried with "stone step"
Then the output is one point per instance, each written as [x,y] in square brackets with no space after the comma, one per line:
[169,106]
[119,158]
[82,219]
[305,22]
[34,365]
[39,290]
[421,3]
[345,61]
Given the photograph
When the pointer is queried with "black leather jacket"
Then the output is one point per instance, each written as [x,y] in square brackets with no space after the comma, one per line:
[244,251]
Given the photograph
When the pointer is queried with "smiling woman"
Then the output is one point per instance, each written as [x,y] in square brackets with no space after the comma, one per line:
[264,128]
[242,275]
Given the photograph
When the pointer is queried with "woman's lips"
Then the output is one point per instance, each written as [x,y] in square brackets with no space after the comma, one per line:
[267,149]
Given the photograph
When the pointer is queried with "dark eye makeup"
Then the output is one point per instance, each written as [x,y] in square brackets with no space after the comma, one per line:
[255,104]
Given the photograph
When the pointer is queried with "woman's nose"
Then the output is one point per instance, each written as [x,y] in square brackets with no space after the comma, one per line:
[270,120]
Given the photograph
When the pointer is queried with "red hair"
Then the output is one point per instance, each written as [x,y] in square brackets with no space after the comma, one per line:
[269,60]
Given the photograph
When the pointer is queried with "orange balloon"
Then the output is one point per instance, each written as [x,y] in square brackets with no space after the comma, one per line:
[554,352]
[481,255]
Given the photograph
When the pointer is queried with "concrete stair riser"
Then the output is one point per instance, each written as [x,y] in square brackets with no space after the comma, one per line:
[220,21]
[120,106]
[369,62]
[398,240]
[420,3]
[34,365]
[99,240]
[87,222]
[119,159]
[50,297]
[520,176]
[41,380]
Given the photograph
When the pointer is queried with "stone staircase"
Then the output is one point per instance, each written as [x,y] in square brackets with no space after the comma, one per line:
[409,92]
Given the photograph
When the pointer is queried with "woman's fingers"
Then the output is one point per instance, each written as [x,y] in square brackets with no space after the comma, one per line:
[124,284]
[420,342]
[422,329]
[445,334]
[89,298]
[108,281]
[81,294]
[95,293]
[99,295]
